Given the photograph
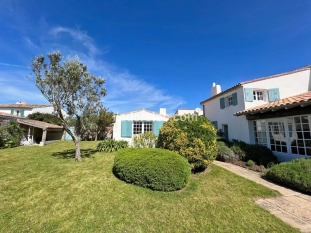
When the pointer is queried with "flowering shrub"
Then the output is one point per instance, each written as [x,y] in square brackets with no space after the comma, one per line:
[194,139]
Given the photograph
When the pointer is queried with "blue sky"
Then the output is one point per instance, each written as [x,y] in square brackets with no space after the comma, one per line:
[154,53]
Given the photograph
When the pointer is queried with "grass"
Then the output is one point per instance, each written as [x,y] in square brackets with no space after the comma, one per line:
[42,189]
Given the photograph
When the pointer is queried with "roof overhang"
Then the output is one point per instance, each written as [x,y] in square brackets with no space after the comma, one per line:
[273,109]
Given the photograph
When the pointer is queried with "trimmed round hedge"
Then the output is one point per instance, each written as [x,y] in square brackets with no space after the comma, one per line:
[153,168]
[295,174]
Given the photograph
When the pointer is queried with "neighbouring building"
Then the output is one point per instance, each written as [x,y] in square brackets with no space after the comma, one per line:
[129,124]
[274,111]
[183,111]
[36,132]
[22,109]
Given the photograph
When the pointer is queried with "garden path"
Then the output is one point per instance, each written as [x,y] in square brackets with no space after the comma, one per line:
[292,207]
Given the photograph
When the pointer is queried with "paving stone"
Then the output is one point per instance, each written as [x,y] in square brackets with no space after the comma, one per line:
[300,201]
[267,205]
[292,220]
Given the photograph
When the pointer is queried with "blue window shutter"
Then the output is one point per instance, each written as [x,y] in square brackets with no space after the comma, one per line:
[126,128]
[249,97]
[273,94]
[12,111]
[222,103]
[215,124]
[156,127]
[22,113]
[234,99]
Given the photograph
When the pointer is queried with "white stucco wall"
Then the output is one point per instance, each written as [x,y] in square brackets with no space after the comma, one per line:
[188,111]
[289,85]
[237,126]
[134,116]
[27,111]
[49,110]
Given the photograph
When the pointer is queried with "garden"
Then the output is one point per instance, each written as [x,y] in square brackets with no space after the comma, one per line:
[171,188]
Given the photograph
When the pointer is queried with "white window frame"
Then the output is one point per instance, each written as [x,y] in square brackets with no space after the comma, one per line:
[284,120]
[259,97]
[228,101]
[143,126]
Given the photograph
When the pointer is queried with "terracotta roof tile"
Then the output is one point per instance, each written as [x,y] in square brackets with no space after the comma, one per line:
[282,103]
[38,124]
[256,80]
[26,121]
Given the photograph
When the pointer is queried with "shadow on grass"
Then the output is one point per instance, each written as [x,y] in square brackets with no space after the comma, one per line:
[70,154]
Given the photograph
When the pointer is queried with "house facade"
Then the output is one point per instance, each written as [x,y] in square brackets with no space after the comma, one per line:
[22,109]
[129,124]
[273,111]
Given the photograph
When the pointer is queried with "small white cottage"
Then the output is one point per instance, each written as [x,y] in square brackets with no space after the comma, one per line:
[133,123]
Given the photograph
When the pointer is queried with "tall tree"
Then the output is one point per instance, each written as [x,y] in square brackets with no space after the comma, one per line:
[69,86]
[103,120]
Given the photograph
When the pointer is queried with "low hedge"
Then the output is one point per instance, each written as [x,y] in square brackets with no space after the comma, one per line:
[295,174]
[154,168]
[225,154]
[258,153]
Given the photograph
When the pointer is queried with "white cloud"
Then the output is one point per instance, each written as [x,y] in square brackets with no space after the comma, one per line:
[82,37]
[126,91]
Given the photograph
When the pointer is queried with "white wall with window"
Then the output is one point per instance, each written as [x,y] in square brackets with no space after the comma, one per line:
[221,107]
[287,137]
[127,125]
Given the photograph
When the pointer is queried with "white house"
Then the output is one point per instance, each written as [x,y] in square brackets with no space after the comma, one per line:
[274,111]
[129,124]
[184,111]
[23,109]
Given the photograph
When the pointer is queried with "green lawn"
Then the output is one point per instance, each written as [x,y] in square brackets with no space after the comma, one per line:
[43,189]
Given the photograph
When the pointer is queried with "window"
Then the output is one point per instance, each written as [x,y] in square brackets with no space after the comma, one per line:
[142,126]
[137,127]
[17,112]
[300,135]
[148,126]
[258,95]
[277,135]
[260,132]
[286,135]
[229,101]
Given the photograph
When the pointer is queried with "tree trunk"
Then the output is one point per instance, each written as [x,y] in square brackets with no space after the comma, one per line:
[78,157]
[96,136]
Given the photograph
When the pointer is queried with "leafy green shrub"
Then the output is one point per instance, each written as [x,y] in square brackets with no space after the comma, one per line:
[250,163]
[110,145]
[238,152]
[153,168]
[258,153]
[295,174]
[225,154]
[271,164]
[45,117]
[145,140]
[10,135]
[194,139]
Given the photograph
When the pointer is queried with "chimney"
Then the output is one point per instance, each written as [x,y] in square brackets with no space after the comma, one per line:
[216,89]
[162,111]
